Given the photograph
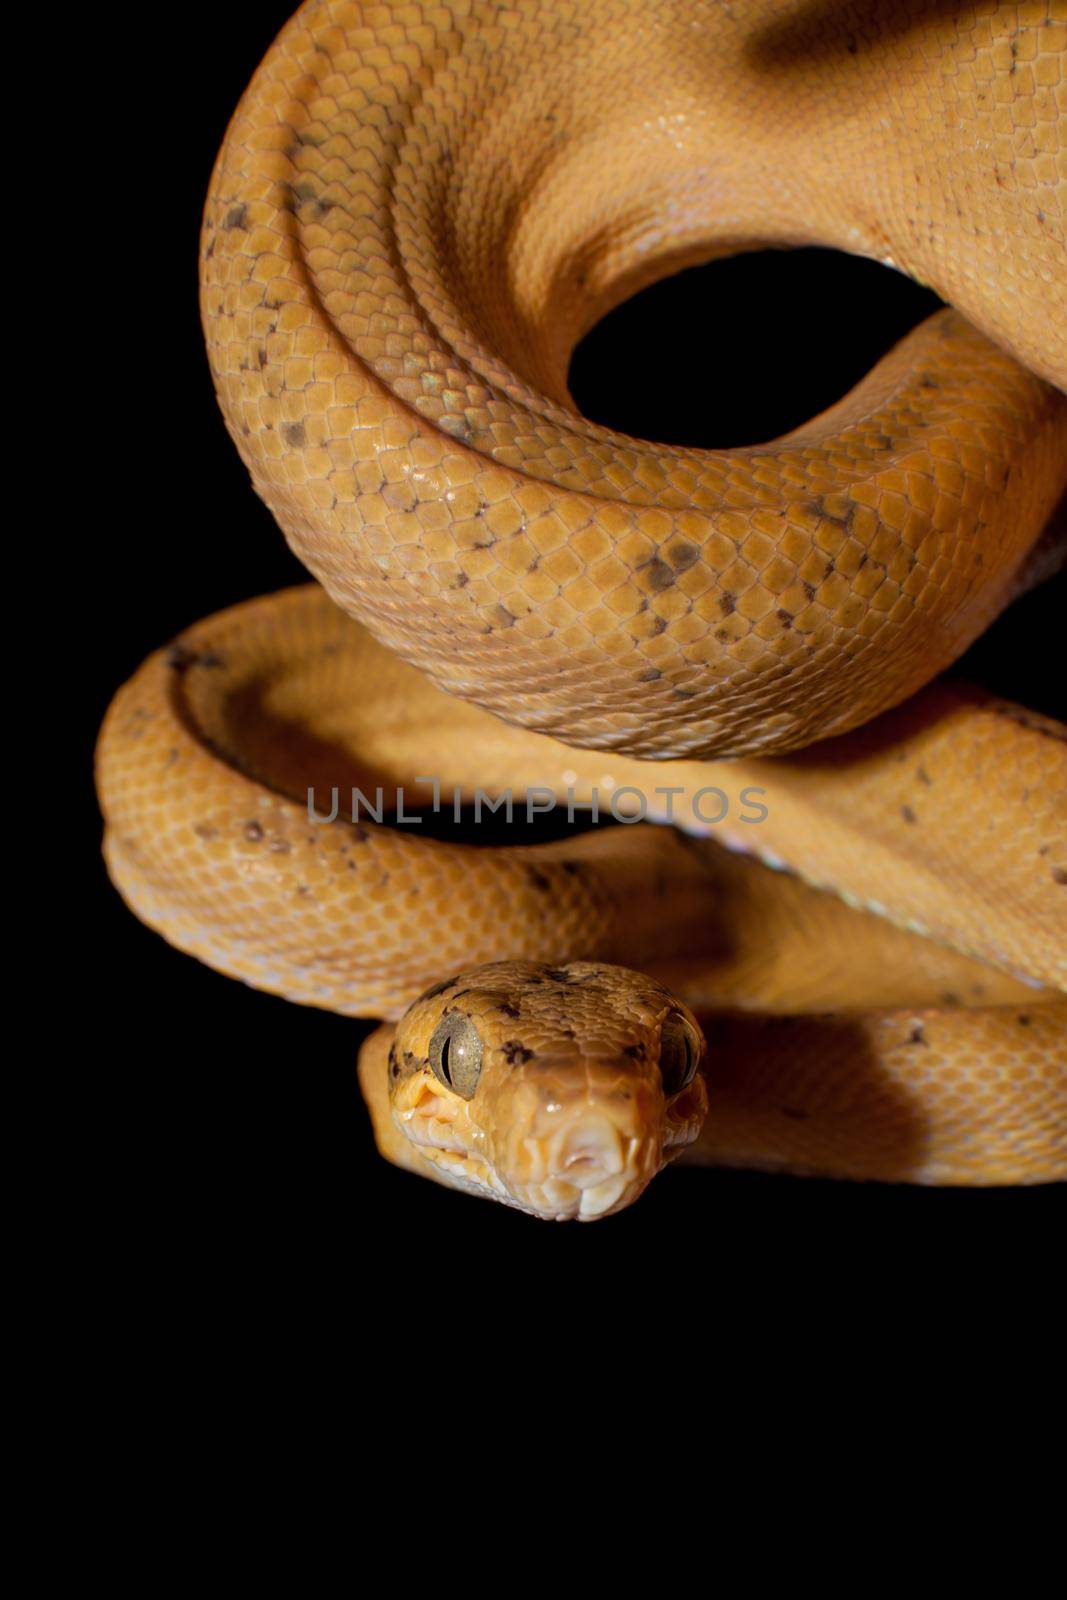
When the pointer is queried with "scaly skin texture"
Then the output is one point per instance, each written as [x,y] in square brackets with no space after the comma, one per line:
[842,1040]
[418,210]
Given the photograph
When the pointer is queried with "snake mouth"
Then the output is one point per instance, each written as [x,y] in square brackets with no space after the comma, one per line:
[582,1163]
[586,1170]
[434,1124]
[561,1201]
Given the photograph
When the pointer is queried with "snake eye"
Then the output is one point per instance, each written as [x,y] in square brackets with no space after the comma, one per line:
[680,1050]
[456,1054]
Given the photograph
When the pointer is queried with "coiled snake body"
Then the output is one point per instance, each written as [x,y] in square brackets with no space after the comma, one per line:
[417,211]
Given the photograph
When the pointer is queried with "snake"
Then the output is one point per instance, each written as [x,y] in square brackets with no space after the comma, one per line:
[826,934]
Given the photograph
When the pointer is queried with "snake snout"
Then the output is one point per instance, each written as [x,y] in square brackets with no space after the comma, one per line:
[589,1151]
[596,1167]
[583,1160]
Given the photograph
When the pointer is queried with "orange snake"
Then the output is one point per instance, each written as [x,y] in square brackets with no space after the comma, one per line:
[417,211]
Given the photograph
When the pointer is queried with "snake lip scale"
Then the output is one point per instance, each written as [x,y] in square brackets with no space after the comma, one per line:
[416,213]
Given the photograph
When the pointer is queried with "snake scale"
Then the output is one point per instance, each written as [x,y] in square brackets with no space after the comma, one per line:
[856,964]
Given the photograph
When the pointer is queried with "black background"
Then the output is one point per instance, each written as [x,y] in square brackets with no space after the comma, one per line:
[236,1154]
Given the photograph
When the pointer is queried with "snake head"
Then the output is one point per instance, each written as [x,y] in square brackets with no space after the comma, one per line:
[561,1091]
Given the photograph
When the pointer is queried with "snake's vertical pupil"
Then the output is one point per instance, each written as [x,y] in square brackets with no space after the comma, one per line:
[456,1054]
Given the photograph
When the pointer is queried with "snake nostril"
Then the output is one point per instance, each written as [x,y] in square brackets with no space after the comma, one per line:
[590,1151]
